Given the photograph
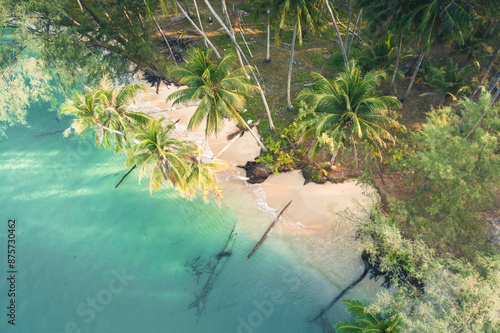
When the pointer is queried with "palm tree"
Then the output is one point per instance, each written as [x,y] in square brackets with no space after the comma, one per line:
[220,89]
[245,60]
[346,110]
[364,320]
[451,18]
[389,16]
[305,14]
[115,102]
[177,162]
[106,108]
[168,157]
[203,178]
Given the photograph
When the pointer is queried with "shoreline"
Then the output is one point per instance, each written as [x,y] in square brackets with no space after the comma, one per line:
[308,228]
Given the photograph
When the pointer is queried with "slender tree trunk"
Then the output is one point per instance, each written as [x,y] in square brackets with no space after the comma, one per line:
[261,91]
[354,29]
[494,55]
[228,145]
[332,161]
[230,27]
[243,37]
[254,136]
[290,65]
[483,113]
[162,34]
[128,173]
[419,62]
[494,84]
[348,27]
[342,48]
[199,21]
[187,8]
[268,54]
[397,64]
[339,296]
[359,26]
[494,97]
[198,30]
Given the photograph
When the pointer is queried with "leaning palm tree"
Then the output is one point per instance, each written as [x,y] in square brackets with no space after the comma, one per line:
[177,162]
[220,89]
[106,109]
[155,149]
[116,103]
[364,320]
[346,110]
[203,179]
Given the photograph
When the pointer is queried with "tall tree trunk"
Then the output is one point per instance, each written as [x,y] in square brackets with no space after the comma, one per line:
[397,64]
[161,32]
[366,268]
[230,27]
[187,8]
[494,55]
[354,29]
[254,135]
[494,83]
[417,66]
[359,26]
[483,113]
[348,27]
[494,97]
[243,36]
[261,91]
[199,21]
[290,65]
[268,54]
[332,161]
[198,30]
[342,48]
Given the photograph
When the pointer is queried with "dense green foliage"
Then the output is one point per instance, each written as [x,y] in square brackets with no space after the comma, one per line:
[219,87]
[433,236]
[346,109]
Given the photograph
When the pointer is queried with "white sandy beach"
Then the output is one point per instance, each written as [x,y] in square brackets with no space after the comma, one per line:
[308,227]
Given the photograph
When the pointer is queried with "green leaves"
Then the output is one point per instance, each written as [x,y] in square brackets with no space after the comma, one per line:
[221,89]
[364,320]
[345,110]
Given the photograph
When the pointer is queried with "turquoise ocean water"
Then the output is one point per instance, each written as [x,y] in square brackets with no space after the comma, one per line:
[95,259]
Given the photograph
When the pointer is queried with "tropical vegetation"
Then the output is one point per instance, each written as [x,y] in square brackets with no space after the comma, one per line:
[432,234]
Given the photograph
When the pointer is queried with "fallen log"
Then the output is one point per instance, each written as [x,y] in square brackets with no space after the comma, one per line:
[268,231]
[135,165]
[221,259]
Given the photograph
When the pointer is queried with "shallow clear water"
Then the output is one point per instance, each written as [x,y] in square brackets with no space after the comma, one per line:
[92,258]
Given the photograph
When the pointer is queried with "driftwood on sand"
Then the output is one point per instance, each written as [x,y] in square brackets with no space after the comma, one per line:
[268,231]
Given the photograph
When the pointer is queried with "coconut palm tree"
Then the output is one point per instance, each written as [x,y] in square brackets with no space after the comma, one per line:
[449,18]
[305,14]
[177,162]
[346,110]
[220,89]
[115,102]
[364,320]
[107,109]
[168,158]
[245,60]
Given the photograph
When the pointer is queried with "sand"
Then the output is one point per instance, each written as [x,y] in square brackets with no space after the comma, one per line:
[309,229]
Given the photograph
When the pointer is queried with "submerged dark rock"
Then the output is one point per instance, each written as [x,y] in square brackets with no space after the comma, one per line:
[256,172]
